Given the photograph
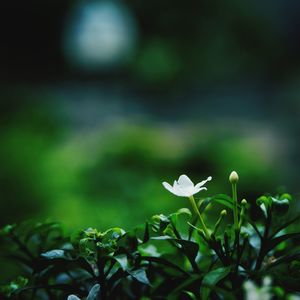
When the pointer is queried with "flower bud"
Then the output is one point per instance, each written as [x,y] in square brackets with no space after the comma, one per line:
[223,212]
[234,177]
[244,202]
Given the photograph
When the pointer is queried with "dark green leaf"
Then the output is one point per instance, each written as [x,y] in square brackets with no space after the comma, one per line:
[211,279]
[285,225]
[186,283]
[190,248]
[55,254]
[285,259]
[276,241]
[223,199]
[122,260]
[146,233]
[73,297]
[94,292]
[164,262]
[183,211]
[190,295]
[280,207]
[140,275]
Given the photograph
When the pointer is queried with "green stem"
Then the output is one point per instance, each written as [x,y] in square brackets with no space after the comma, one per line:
[195,207]
[235,207]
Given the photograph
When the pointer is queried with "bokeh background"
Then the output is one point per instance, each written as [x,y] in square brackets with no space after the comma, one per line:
[103,100]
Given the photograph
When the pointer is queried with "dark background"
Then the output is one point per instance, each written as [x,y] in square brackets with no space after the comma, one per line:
[101,101]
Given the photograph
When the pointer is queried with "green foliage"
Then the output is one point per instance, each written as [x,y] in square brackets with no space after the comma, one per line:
[13,286]
[167,258]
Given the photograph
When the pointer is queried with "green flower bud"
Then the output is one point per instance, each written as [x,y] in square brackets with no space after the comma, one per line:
[244,202]
[223,212]
[234,177]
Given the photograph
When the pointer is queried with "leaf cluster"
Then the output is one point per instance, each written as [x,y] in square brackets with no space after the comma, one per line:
[163,259]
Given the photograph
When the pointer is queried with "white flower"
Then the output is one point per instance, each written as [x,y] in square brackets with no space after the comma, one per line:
[184,187]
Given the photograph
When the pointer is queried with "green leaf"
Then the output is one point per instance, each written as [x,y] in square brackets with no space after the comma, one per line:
[203,203]
[223,199]
[190,248]
[13,286]
[264,202]
[94,292]
[280,207]
[140,275]
[7,230]
[85,265]
[286,225]
[73,297]
[146,233]
[211,279]
[113,233]
[190,295]
[122,260]
[185,283]
[181,211]
[164,262]
[275,241]
[149,250]
[264,209]
[55,254]
[162,237]
[286,259]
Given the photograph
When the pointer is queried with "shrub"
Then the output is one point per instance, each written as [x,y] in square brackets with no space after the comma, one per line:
[169,257]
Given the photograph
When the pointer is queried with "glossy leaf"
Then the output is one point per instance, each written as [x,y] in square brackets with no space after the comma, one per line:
[55,254]
[94,292]
[140,275]
[211,279]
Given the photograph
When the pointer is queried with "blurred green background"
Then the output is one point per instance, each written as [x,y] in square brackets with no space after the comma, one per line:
[101,101]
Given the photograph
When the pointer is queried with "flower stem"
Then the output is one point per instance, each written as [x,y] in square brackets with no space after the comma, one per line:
[235,207]
[195,207]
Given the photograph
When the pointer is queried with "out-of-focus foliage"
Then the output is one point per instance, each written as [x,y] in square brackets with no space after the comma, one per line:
[113,176]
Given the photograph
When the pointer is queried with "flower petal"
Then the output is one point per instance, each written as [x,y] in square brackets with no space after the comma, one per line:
[180,192]
[185,181]
[170,188]
[198,185]
[184,191]
[197,190]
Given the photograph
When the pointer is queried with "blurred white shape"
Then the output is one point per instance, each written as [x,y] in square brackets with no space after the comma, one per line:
[99,35]
[254,292]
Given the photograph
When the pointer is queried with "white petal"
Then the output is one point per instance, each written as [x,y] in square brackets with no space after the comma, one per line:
[184,181]
[179,192]
[198,185]
[184,191]
[170,188]
[197,190]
